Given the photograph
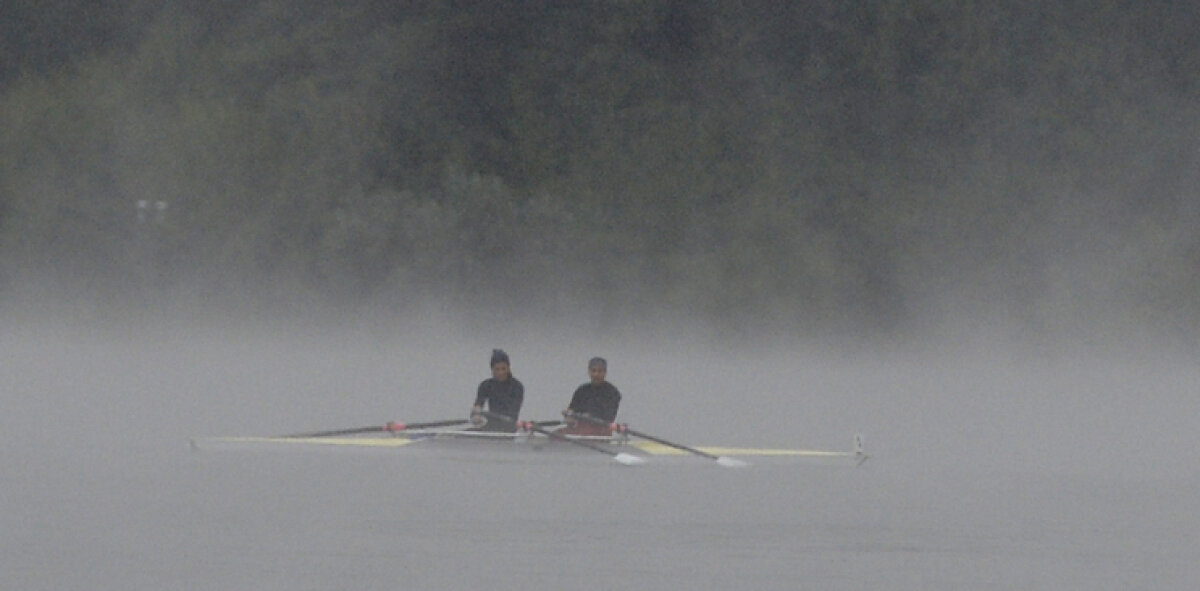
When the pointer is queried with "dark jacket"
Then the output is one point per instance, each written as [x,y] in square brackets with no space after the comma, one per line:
[598,400]
[502,398]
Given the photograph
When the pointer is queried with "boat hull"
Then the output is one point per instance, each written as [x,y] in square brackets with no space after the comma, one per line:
[527,441]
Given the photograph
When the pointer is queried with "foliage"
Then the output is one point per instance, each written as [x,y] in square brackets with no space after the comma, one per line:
[815,166]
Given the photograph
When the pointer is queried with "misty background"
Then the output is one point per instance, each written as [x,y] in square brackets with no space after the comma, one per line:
[887,168]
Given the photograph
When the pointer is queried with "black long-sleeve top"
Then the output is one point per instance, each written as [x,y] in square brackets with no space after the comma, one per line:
[598,400]
[502,398]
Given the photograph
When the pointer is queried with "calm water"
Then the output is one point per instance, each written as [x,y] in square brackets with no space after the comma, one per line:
[987,474]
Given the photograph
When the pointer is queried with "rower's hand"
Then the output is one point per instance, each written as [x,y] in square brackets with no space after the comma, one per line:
[568,416]
[477,417]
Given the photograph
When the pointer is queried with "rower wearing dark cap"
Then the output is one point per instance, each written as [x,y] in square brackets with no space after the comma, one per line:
[597,399]
[502,393]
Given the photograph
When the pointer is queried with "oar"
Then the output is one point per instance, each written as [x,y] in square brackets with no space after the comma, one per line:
[391,427]
[722,460]
[620,457]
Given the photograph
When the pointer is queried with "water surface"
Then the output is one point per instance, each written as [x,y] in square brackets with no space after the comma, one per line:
[987,473]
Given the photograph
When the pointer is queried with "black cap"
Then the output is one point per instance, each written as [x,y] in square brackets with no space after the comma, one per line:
[498,355]
[598,362]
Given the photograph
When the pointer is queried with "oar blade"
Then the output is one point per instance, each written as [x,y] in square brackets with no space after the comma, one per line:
[629,459]
[729,462]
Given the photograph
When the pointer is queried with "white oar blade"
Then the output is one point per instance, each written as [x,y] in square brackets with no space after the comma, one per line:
[629,459]
[731,462]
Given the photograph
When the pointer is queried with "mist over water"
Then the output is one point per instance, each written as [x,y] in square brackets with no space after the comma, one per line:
[986,472]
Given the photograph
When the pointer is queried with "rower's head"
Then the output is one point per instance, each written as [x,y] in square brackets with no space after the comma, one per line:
[597,369]
[500,366]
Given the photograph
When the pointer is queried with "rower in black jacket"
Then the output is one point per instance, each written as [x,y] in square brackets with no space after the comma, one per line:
[503,395]
[598,399]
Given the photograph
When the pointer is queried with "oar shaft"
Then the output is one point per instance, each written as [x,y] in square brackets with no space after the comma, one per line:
[533,426]
[678,446]
[647,436]
[336,432]
[396,426]
[390,427]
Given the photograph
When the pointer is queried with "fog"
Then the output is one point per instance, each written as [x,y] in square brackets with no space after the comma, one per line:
[858,171]
[966,233]
[989,469]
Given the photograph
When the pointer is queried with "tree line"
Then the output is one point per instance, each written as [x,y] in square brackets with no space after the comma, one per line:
[859,167]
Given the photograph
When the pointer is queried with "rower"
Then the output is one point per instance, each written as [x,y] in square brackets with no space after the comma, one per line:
[597,399]
[502,394]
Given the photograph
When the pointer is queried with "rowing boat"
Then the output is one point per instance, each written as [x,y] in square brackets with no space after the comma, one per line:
[618,443]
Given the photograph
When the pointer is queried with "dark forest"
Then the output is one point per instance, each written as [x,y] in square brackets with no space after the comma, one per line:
[865,168]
